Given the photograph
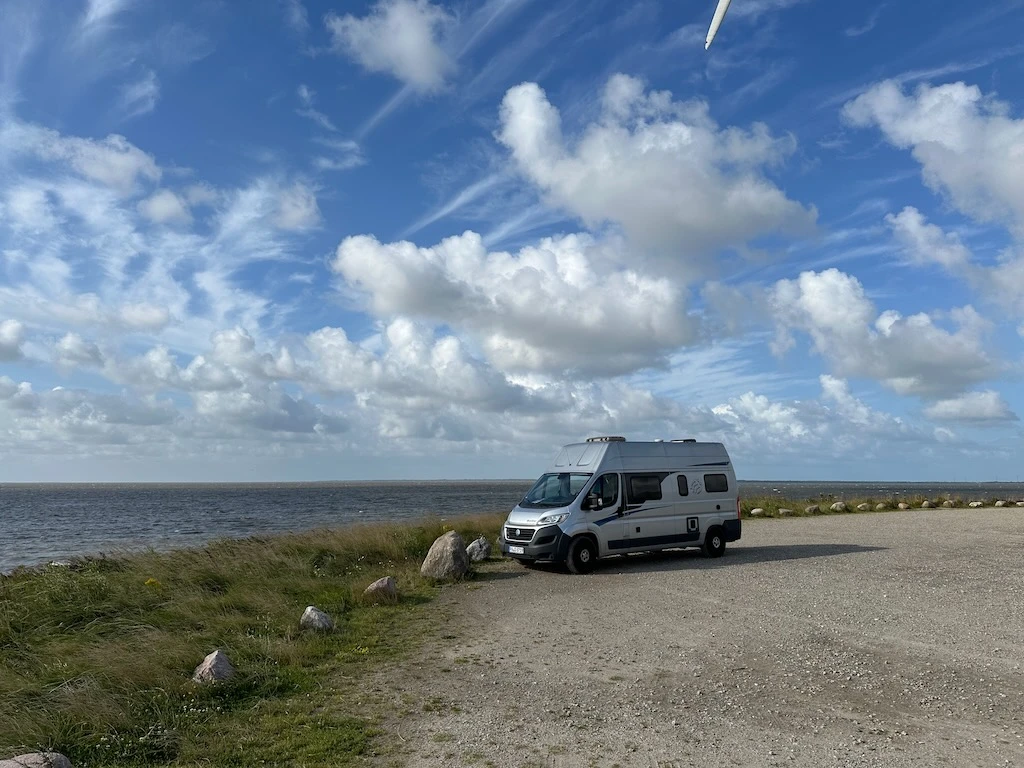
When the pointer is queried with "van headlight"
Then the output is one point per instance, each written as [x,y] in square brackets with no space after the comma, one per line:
[553,519]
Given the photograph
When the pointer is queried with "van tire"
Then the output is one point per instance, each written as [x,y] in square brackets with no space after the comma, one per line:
[714,542]
[582,555]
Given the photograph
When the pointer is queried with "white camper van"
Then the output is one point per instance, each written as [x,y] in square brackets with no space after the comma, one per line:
[609,496]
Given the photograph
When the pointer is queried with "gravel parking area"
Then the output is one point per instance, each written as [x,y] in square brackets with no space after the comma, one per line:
[891,639]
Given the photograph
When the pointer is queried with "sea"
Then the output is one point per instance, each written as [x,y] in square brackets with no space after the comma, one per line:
[41,523]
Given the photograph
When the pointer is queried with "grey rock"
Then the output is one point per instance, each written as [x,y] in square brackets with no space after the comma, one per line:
[839,506]
[1000,503]
[479,549]
[863,507]
[976,504]
[927,504]
[880,506]
[315,619]
[903,505]
[37,760]
[948,504]
[447,559]
[785,512]
[382,591]
[216,668]
[756,512]
[1020,503]
[814,509]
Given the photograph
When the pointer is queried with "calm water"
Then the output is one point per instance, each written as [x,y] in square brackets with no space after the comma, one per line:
[39,523]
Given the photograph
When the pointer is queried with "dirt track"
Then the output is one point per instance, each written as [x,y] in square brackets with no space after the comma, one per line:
[893,639]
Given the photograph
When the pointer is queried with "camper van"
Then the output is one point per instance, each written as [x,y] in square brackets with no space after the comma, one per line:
[609,496]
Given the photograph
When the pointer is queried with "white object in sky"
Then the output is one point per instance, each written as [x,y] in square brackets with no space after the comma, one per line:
[716,22]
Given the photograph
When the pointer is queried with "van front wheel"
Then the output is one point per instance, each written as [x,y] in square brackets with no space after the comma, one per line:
[714,543]
[582,555]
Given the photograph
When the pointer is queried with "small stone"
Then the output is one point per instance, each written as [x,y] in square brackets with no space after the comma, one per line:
[479,549]
[903,505]
[216,668]
[785,512]
[37,760]
[756,512]
[863,507]
[839,506]
[1020,503]
[814,509]
[948,504]
[880,507]
[382,591]
[315,619]
[976,504]
[1000,503]
[927,505]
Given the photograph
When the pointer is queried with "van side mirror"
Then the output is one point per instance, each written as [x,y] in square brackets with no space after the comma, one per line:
[593,501]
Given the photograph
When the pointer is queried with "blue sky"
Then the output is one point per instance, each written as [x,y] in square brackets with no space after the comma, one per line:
[295,239]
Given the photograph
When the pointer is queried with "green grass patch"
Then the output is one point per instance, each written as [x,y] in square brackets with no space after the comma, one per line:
[96,657]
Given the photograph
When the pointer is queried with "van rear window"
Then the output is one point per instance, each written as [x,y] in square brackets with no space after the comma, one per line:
[716,483]
[644,488]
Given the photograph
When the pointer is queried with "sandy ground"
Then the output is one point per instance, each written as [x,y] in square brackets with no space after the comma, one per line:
[892,639]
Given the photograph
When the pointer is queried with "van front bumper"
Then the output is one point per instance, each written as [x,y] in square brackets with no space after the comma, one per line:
[548,544]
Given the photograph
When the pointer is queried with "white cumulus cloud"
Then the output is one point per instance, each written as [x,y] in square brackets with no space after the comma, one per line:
[400,37]
[567,303]
[662,169]
[163,206]
[12,333]
[987,406]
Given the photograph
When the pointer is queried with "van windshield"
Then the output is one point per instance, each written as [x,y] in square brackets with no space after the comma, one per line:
[555,490]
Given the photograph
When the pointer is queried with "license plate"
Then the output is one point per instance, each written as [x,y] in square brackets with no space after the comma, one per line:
[513,550]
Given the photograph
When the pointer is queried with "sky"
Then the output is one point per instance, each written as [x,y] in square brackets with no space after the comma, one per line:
[314,240]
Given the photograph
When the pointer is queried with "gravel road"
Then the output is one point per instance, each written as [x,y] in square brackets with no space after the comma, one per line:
[893,639]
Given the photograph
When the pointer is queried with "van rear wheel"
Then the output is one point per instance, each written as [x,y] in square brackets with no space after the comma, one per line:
[582,555]
[714,543]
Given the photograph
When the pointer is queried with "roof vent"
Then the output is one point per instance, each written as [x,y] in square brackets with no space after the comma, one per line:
[606,439]
[686,440]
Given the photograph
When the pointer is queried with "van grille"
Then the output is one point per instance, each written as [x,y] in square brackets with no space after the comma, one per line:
[518,534]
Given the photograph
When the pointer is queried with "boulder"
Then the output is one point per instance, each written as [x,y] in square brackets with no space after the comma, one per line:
[315,619]
[756,512]
[479,549]
[814,509]
[948,504]
[216,668]
[447,559]
[927,504]
[382,591]
[880,506]
[976,504]
[863,507]
[1000,503]
[785,512]
[37,760]
[839,506]
[903,505]
[1020,503]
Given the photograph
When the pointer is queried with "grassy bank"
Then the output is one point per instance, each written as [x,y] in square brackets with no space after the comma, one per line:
[772,504]
[96,658]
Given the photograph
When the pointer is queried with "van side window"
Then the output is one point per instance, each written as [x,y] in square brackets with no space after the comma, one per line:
[716,483]
[684,489]
[644,488]
[607,487]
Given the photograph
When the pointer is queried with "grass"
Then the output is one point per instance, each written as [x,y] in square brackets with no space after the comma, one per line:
[772,504]
[96,658]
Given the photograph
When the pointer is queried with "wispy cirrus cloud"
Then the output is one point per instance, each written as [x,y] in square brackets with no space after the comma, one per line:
[140,96]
